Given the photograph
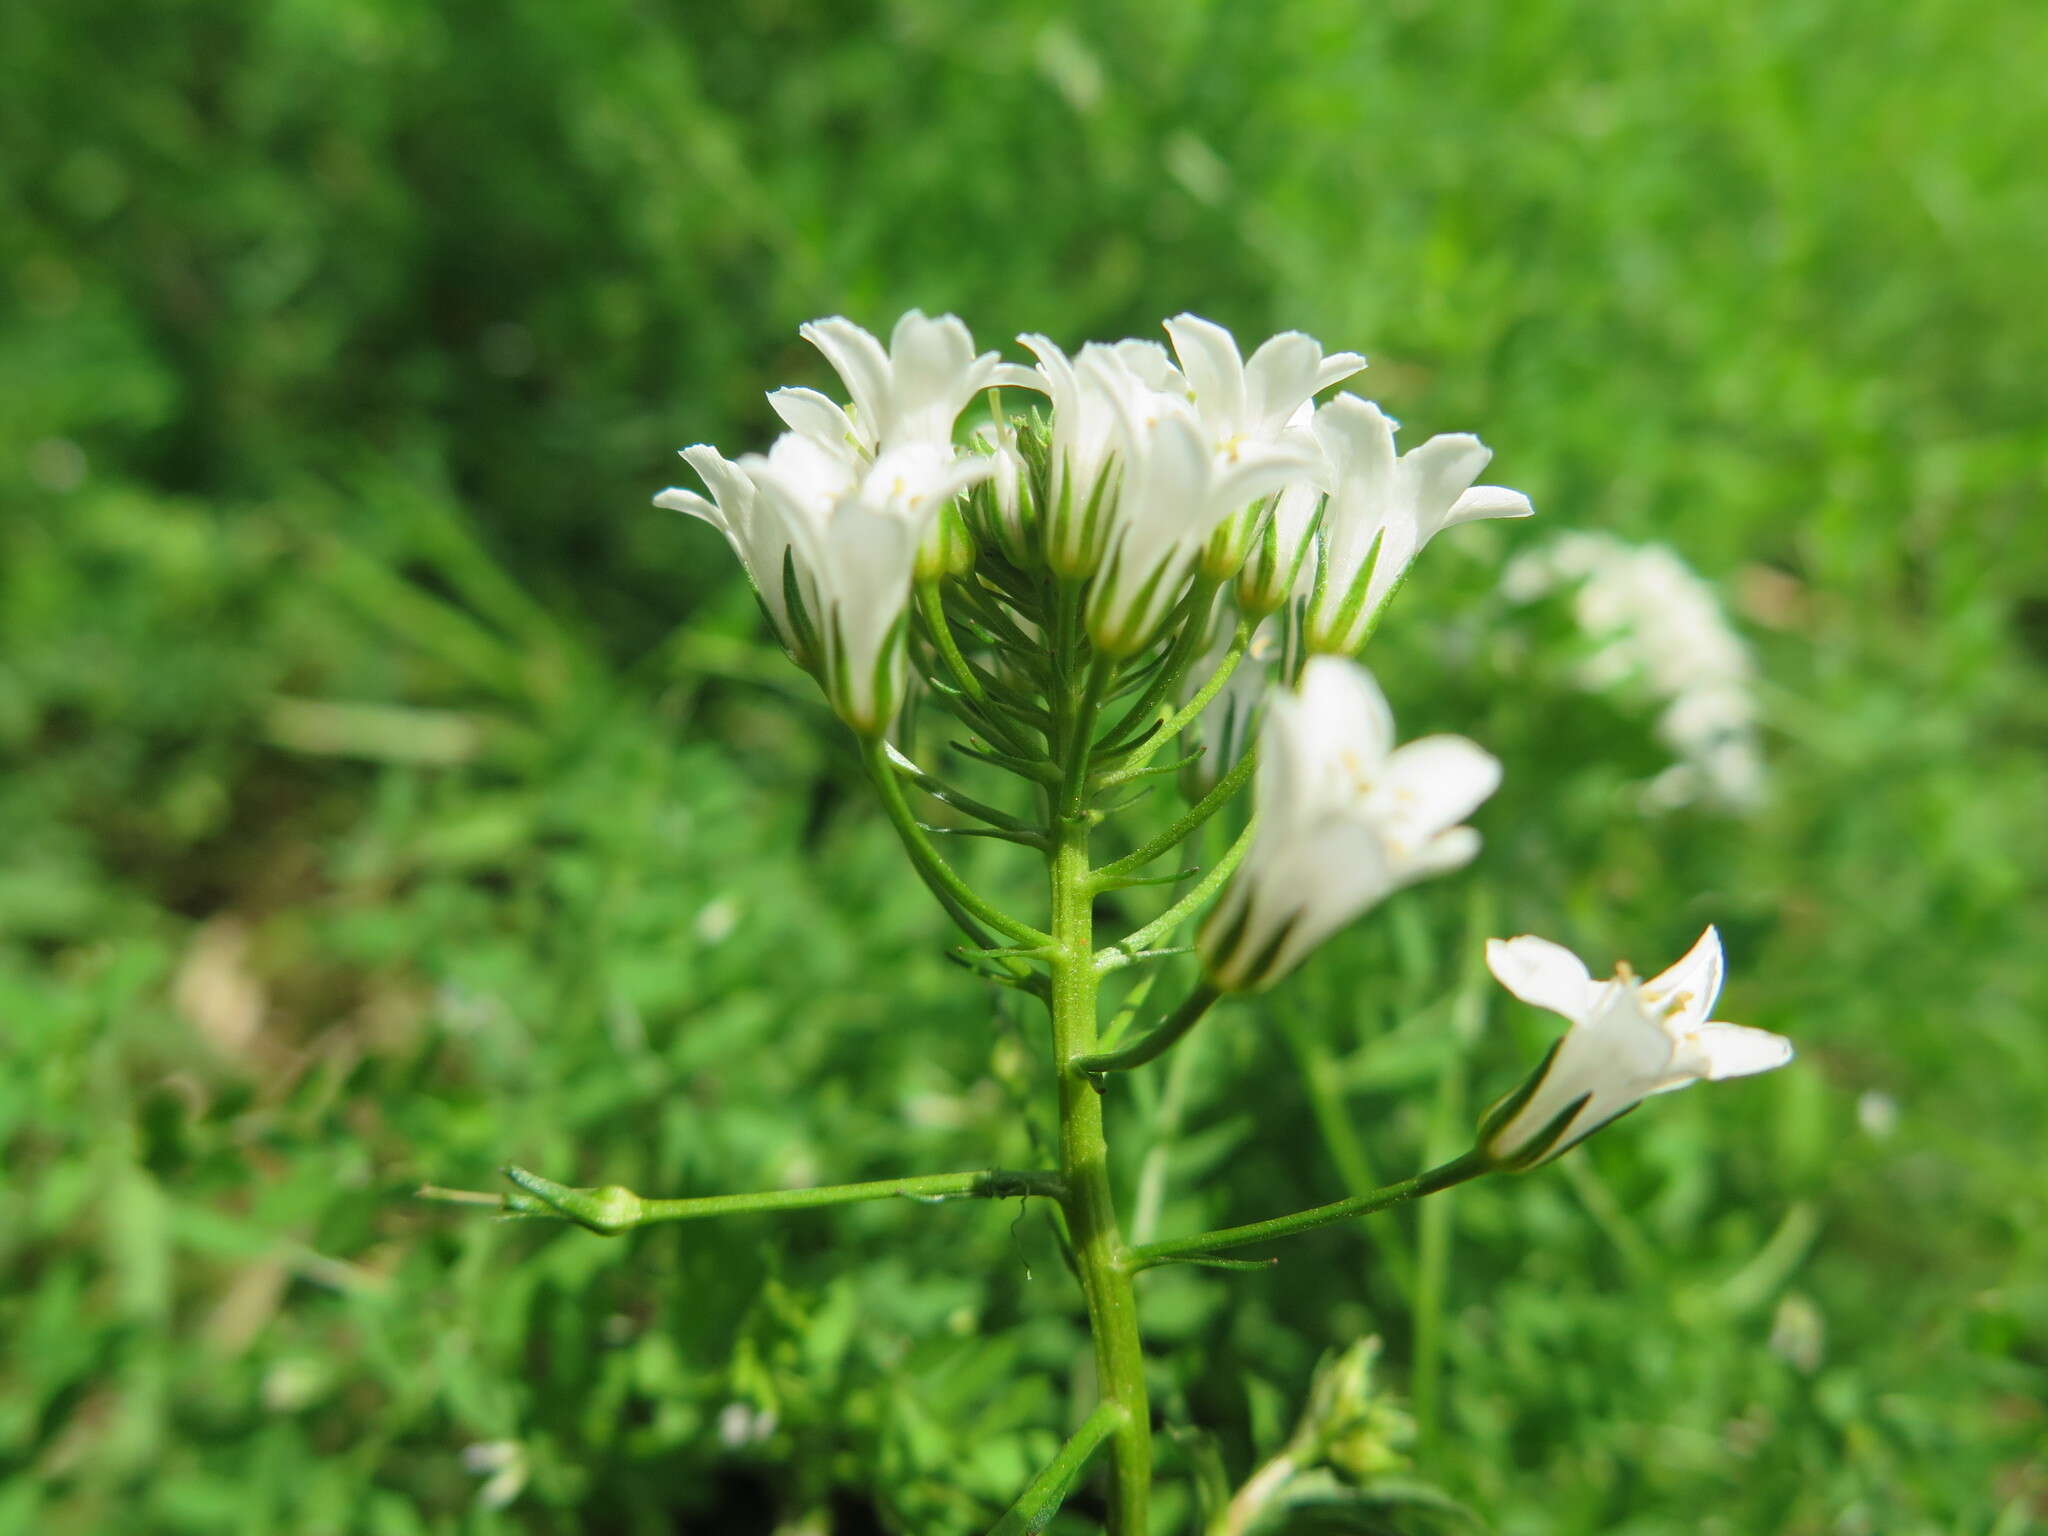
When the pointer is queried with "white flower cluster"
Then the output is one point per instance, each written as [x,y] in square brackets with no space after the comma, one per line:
[1161,480]
[1161,468]
[1657,627]
[829,522]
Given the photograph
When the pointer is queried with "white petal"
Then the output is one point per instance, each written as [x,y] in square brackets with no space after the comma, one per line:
[676,499]
[1437,781]
[1150,365]
[1453,848]
[816,416]
[1017,376]
[1488,501]
[728,483]
[1343,713]
[1052,359]
[1209,357]
[1336,368]
[1279,377]
[1359,439]
[1257,469]
[1438,472]
[1691,987]
[1544,974]
[1719,1051]
[861,364]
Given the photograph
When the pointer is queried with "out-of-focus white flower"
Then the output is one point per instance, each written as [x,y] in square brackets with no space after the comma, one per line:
[1657,627]
[1382,510]
[1345,819]
[909,395]
[1877,1113]
[503,1467]
[1629,1039]
[741,1425]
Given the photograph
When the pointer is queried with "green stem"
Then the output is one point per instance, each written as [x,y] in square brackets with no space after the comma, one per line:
[955,895]
[1036,1506]
[1084,1163]
[611,1209]
[1155,1044]
[1469,1165]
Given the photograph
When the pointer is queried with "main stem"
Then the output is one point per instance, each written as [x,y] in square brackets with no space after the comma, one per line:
[1084,1153]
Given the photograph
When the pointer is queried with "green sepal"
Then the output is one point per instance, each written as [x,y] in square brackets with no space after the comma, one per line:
[803,640]
[1332,633]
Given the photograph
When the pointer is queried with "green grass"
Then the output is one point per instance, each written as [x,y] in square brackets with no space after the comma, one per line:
[340,348]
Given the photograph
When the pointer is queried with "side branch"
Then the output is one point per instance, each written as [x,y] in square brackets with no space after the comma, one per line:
[1162,927]
[1469,1165]
[1109,874]
[1041,1501]
[967,908]
[946,794]
[611,1209]
[1154,1044]
[1142,749]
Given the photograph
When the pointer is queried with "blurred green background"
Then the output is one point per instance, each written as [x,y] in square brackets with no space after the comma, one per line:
[390,793]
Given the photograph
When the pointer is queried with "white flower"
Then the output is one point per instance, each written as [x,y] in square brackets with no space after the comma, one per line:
[854,545]
[1269,399]
[1628,1039]
[1085,391]
[762,530]
[1345,818]
[1259,399]
[1175,488]
[1383,509]
[910,394]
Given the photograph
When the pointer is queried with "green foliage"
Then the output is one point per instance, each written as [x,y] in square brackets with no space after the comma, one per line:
[390,795]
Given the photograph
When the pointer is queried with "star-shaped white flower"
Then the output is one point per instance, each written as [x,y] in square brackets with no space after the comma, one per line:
[1382,509]
[1345,819]
[1256,399]
[1086,392]
[1629,1039]
[762,530]
[854,545]
[912,393]
[1175,487]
